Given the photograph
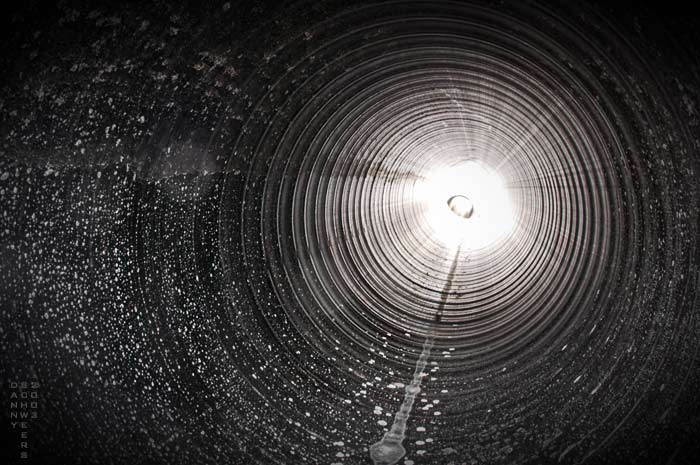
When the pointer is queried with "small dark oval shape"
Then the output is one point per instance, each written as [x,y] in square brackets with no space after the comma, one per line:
[461,206]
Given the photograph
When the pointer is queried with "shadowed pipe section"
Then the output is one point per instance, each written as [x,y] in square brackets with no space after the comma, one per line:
[390,449]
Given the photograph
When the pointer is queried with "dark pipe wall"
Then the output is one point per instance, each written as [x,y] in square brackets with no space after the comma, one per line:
[213,248]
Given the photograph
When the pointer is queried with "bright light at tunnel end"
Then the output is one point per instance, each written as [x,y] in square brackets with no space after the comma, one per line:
[448,193]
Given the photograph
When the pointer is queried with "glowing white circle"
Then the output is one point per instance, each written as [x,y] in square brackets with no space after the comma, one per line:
[467,183]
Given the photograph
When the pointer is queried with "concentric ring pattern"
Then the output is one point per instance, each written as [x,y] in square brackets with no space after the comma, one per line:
[346,268]
[226,235]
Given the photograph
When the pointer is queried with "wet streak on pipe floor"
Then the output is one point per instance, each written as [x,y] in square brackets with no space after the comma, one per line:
[389,450]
